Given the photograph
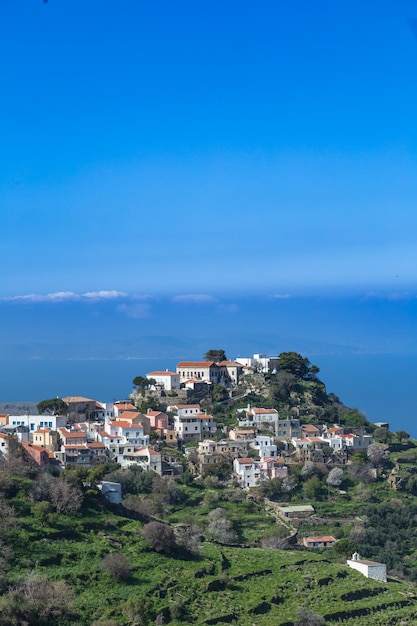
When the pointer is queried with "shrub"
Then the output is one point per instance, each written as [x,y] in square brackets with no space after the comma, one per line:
[118,565]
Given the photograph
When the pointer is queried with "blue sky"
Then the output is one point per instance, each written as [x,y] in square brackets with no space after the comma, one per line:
[230,151]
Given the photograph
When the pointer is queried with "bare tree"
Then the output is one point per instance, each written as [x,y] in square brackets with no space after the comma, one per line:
[220,528]
[36,600]
[63,495]
[189,538]
[160,537]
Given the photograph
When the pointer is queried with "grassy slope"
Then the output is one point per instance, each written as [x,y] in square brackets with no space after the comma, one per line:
[250,586]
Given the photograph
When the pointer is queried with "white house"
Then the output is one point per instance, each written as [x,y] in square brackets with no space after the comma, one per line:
[184,410]
[224,372]
[104,410]
[251,472]
[132,433]
[265,446]
[194,426]
[257,416]
[34,422]
[145,457]
[167,380]
[248,472]
[260,362]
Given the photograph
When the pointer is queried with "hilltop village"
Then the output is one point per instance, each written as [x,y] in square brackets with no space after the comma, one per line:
[258,441]
[171,506]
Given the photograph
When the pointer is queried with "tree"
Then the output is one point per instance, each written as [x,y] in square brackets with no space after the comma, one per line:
[54,406]
[222,470]
[400,435]
[345,547]
[313,488]
[142,383]
[220,528]
[160,537]
[335,477]
[215,355]
[382,435]
[271,488]
[308,469]
[297,365]
[377,455]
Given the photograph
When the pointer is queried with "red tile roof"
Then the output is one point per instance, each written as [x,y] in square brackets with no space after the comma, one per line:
[196,364]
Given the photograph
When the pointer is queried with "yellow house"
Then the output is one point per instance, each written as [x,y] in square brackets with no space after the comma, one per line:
[45,438]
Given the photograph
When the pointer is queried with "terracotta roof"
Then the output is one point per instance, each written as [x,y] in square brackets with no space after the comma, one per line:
[196,364]
[95,444]
[310,428]
[325,538]
[127,415]
[123,424]
[203,416]
[347,436]
[31,446]
[127,406]
[76,447]
[245,461]
[263,411]
[42,430]
[162,374]
[70,434]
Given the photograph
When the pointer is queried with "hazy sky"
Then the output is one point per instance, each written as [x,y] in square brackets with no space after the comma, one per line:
[208,147]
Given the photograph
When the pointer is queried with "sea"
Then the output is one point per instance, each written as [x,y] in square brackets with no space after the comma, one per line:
[382,386]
